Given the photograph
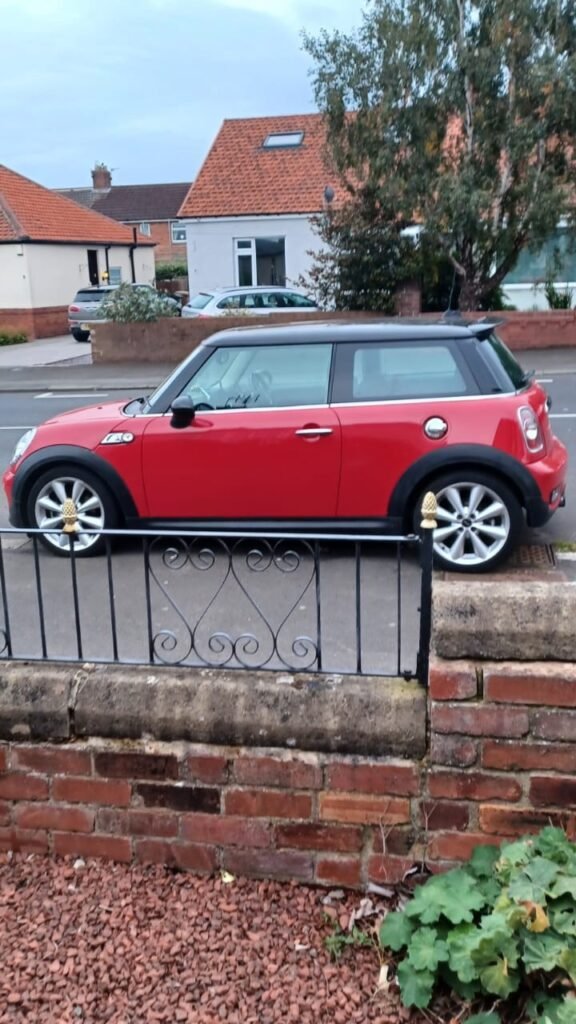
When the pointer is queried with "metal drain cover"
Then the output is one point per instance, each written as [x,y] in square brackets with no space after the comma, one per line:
[533,556]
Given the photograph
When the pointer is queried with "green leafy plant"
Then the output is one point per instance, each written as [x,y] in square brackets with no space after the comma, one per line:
[12,337]
[503,925]
[127,304]
[339,940]
[556,298]
[168,271]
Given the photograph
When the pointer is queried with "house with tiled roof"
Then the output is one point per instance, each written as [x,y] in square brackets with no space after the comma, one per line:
[153,209]
[248,214]
[50,247]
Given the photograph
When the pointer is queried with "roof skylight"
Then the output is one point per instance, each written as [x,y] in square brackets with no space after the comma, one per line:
[281,140]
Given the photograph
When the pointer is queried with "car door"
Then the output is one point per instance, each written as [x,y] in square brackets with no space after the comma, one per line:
[384,394]
[263,444]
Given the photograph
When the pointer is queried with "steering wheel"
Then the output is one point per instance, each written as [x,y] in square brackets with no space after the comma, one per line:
[202,406]
[262,381]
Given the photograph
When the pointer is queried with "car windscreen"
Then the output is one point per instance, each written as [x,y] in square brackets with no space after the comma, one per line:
[94,295]
[200,300]
[504,365]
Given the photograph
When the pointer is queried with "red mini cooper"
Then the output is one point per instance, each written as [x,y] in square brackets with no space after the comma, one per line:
[321,427]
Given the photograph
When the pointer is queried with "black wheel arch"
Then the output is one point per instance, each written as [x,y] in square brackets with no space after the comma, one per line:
[38,462]
[469,456]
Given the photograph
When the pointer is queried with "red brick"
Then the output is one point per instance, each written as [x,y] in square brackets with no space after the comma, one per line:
[4,814]
[289,864]
[23,787]
[52,760]
[107,847]
[479,720]
[222,831]
[134,765]
[137,823]
[395,779]
[92,791]
[513,821]
[23,842]
[179,798]
[3,758]
[387,870]
[48,816]
[455,751]
[262,803]
[339,871]
[458,845]
[272,771]
[398,841]
[201,859]
[554,725]
[452,682]
[546,790]
[364,810]
[208,769]
[528,756]
[473,786]
[526,687]
[437,815]
[308,836]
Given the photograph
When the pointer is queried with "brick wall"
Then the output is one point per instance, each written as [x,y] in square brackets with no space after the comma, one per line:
[501,762]
[166,250]
[172,340]
[47,322]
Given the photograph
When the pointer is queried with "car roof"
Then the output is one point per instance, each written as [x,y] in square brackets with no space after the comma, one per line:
[249,288]
[323,331]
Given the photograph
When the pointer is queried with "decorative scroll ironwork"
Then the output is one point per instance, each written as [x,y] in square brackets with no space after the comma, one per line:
[258,641]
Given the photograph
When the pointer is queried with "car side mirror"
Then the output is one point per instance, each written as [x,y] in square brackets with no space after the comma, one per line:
[183,412]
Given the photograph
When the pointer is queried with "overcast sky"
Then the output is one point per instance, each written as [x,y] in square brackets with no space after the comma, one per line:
[143,85]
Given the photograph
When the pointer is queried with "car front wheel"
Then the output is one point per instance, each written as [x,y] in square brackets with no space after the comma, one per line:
[479,521]
[95,509]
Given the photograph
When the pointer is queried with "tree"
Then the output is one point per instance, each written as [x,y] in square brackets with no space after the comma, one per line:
[461,116]
[127,304]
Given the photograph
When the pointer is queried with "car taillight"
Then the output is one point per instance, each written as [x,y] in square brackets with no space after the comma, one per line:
[73,309]
[531,429]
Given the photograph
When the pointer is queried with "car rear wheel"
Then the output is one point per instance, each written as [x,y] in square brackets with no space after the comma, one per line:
[81,335]
[479,521]
[95,509]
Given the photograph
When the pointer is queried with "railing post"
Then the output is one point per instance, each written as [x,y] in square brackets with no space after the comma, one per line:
[427,526]
[70,529]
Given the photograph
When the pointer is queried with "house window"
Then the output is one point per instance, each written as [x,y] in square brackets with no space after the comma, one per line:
[145,228]
[556,259]
[115,276]
[178,232]
[282,140]
[260,261]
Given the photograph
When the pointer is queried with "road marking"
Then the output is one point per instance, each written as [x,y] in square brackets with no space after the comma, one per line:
[15,428]
[68,394]
[562,416]
[544,380]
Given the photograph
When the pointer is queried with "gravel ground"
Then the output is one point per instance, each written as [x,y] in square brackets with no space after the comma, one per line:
[134,945]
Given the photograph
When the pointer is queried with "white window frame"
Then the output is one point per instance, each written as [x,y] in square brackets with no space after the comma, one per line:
[115,275]
[242,249]
[145,228]
[177,225]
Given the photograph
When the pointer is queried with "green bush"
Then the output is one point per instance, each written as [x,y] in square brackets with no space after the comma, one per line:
[556,298]
[168,271]
[12,337]
[499,931]
[127,304]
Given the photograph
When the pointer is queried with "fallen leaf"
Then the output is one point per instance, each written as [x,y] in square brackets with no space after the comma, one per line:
[227,878]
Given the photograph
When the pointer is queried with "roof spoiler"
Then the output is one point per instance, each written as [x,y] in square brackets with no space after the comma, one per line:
[481,328]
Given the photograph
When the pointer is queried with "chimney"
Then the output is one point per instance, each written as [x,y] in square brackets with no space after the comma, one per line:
[101,178]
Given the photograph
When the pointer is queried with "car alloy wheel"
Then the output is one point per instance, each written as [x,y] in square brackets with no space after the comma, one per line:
[473,524]
[90,508]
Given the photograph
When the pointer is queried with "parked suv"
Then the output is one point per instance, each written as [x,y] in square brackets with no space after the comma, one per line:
[85,307]
[253,301]
[313,428]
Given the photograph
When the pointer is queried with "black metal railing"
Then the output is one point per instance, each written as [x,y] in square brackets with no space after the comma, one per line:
[336,604]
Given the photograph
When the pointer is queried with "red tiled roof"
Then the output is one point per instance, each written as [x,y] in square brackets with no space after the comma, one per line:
[29,212]
[240,177]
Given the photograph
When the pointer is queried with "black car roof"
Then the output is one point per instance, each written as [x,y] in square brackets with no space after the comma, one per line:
[340,330]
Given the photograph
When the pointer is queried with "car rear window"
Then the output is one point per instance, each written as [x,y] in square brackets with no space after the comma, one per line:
[505,366]
[200,300]
[94,295]
[395,370]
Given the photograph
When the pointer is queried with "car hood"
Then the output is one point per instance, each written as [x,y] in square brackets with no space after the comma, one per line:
[109,412]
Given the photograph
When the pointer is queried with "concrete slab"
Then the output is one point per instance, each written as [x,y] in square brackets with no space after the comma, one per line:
[43,352]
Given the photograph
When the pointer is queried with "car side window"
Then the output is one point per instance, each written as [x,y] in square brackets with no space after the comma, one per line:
[263,377]
[231,302]
[394,370]
[293,299]
[274,300]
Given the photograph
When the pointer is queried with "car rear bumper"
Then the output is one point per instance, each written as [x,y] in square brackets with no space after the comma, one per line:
[550,476]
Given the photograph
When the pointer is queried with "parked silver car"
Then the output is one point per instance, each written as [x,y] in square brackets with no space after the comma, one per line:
[249,300]
[86,307]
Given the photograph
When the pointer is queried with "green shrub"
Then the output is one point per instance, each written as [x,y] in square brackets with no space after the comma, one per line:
[127,304]
[168,271]
[556,298]
[12,337]
[499,930]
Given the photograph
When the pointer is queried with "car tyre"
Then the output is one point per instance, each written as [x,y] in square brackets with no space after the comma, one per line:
[81,335]
[95,505]
[479,520]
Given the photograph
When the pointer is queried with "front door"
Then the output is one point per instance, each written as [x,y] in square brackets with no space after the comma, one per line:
[263,444]
[93,266]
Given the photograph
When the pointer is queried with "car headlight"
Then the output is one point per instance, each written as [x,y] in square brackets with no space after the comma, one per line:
[24,442]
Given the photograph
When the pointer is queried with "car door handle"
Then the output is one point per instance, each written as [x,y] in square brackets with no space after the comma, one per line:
[313,431]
